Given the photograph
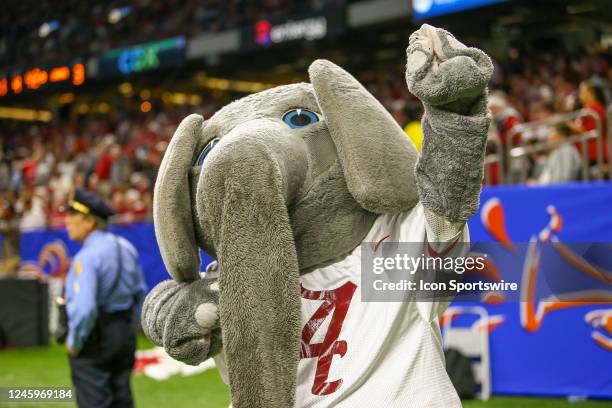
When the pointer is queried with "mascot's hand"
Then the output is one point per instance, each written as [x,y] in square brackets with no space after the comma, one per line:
[444,73]
[183,318]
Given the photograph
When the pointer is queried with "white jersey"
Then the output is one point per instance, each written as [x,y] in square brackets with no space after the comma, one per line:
[372,355]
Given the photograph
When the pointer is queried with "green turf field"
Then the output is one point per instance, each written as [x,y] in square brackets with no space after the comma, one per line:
[49,367]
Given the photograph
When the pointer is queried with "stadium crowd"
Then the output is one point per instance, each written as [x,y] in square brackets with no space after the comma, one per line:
[536,89]
[524,88]
[116,157]
[118,154]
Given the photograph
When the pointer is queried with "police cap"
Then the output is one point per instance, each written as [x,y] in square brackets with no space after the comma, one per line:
[87,203]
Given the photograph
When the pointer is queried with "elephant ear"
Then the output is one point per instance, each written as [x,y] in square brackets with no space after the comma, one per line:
[245,188]
[377,158]
[176,233]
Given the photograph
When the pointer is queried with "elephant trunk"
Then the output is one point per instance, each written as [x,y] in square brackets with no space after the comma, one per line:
[256,172]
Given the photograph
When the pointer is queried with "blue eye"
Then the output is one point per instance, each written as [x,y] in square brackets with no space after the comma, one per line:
[298,118]
[205,151]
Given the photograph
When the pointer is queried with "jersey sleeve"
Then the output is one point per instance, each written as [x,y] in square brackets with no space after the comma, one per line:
[443,238]
[440,230]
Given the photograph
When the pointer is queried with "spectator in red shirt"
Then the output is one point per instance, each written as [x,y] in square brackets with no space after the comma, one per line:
[29,171]
[592,98]
[105,159]
[505,117]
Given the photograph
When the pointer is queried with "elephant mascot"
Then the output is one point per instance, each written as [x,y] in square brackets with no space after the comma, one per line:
[281,188]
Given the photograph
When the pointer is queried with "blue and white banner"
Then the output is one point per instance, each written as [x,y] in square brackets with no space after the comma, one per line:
[562,344]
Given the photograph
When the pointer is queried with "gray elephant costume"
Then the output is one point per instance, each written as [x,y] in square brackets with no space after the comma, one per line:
[281,187]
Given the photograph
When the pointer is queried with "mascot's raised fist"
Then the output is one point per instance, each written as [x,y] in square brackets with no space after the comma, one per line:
[444,73]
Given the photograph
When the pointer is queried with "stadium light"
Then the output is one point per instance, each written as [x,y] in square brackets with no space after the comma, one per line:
[66,98]
[47,28]
[195,99]
[116,14]
[78,74]
[222,84]
[180,98]
[83,109]
[17,84]
[145,94]
[126,88]
[59,74]
[35,78]
[28,115]
[103,107]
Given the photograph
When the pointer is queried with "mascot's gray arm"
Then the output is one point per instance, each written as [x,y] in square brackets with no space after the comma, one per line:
[451,80]
[183,318]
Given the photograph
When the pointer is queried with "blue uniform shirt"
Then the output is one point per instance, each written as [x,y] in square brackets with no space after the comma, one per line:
[90,279]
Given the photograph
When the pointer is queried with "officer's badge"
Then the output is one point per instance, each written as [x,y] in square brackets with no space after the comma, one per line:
[77,268]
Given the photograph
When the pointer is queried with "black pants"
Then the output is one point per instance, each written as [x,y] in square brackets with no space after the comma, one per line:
[101,372]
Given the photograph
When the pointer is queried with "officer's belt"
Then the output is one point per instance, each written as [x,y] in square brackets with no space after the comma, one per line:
[104,316]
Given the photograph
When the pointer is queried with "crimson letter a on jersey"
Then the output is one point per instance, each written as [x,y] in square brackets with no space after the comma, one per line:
[337,301]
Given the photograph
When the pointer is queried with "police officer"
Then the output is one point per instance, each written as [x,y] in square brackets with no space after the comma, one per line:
[104,292]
